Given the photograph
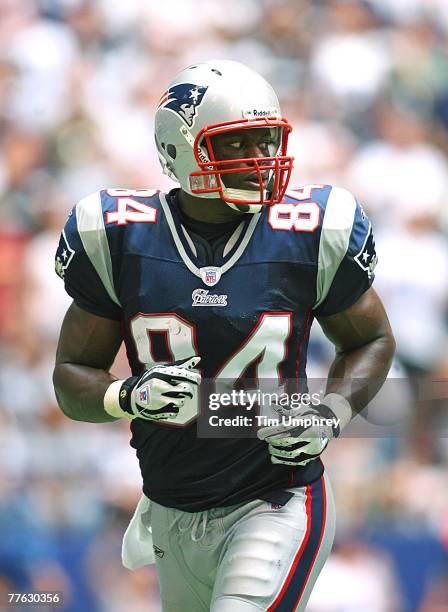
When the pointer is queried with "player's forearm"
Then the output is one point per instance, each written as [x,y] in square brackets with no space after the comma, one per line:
[80,392]
[359,374]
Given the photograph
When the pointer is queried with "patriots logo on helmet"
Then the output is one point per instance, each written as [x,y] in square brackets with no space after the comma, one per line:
[183,99]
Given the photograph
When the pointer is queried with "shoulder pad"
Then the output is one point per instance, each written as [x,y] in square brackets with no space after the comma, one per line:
[340,208]
[301,209]
[130,205]
[344,229]
[337,205]
[92,232]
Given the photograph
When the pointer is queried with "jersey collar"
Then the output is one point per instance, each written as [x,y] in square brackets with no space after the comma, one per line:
[233,250]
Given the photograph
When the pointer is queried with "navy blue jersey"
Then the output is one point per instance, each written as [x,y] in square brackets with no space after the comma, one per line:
[125,255]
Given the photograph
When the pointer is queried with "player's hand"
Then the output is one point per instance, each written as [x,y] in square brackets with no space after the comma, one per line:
[305,439]
[157,394]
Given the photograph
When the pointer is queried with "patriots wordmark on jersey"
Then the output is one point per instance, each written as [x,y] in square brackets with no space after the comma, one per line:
[246,307]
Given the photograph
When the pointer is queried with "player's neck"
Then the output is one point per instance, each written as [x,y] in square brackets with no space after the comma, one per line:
[206,210]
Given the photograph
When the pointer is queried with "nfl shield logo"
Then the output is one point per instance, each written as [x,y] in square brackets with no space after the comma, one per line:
[210,275]
[143,396]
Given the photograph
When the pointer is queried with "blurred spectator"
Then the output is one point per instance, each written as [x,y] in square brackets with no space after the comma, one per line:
[351,63]
[419,181]
[356,577]
[412,278]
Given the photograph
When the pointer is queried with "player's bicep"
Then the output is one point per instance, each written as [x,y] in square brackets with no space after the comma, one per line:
[87,339]
[365,321]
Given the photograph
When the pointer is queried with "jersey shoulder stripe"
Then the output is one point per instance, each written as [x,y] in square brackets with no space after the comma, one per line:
[337,224]
[92,232]
[102,221]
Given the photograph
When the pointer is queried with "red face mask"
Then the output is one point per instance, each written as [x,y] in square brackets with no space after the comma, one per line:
[267,176]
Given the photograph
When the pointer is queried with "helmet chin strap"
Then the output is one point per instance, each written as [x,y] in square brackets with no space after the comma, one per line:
[245,208]
[243,195]
[236,194]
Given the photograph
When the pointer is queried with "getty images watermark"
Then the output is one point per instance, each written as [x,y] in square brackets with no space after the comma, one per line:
[277,408]
[396,408]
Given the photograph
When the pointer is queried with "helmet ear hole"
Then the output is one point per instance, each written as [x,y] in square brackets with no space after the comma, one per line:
[171,150]
[160,145]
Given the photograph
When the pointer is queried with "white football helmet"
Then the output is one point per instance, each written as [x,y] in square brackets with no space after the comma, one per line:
[215,97]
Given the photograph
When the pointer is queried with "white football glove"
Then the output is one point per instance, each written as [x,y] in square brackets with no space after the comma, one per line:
[308,435]
[157,394]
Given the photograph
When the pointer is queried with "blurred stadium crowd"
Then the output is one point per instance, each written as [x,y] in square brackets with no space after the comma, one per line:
[365,84]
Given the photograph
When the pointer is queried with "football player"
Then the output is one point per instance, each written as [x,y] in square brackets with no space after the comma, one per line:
[221,278]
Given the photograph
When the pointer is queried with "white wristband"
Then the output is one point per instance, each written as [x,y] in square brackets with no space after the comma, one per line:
[112,401]
[340,407]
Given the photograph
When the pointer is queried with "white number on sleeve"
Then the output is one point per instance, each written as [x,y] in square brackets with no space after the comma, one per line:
[131,210]
[302,217]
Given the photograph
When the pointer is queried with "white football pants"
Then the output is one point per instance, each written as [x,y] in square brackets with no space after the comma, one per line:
[254,556]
